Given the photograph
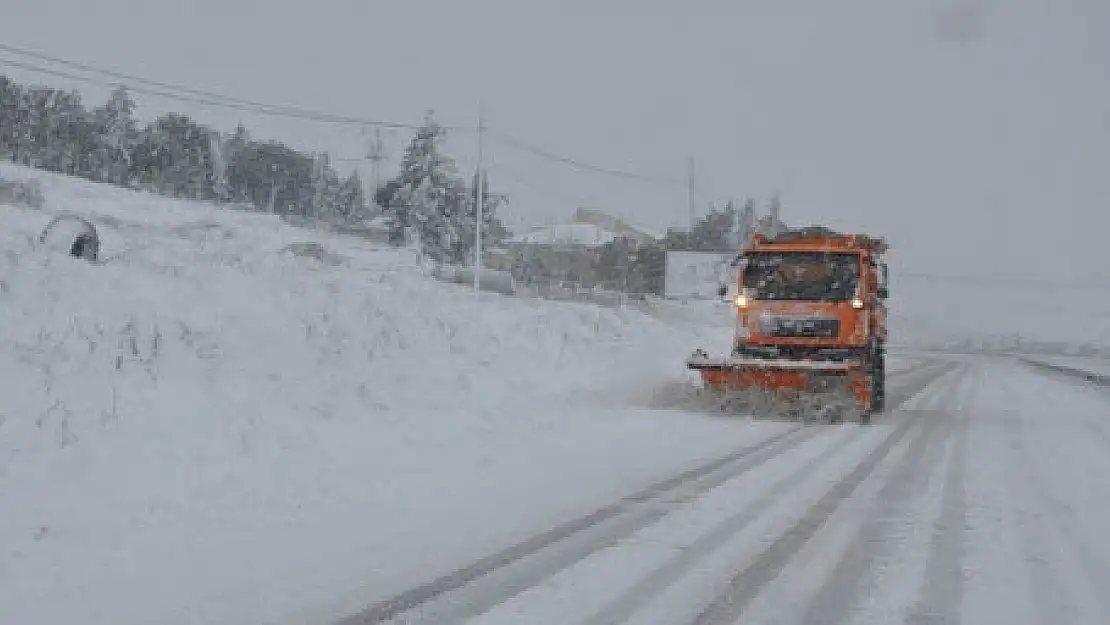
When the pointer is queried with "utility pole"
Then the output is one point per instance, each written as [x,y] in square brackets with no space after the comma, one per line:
[690,193]
[376,155]
[479,201]
[739,238]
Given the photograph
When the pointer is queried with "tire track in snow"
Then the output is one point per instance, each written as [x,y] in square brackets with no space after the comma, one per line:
[849,579]
[728,606]
[638,505]
[625,605]
[502,575]
[515,578]
[941,601]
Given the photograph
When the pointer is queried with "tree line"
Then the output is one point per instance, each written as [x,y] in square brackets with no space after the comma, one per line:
[174,155]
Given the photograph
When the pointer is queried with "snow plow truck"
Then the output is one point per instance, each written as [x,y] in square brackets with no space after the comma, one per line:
[811,328]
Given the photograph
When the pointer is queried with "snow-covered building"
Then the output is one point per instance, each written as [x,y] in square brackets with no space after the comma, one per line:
[566,234]
[615,225]
[587,228]
[566,251]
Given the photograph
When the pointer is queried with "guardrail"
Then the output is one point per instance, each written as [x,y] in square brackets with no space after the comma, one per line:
[1090,376]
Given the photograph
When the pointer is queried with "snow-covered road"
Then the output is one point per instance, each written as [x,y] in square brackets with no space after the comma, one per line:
[980,499]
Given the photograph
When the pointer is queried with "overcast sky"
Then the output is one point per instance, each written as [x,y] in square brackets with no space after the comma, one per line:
[975,134]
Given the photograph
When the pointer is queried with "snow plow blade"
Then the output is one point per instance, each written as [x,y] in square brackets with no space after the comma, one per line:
[807,389]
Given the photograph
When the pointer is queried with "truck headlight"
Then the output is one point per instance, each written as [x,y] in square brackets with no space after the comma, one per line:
[857,303]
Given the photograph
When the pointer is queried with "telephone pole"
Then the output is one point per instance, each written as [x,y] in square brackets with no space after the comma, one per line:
[479,202]
[690,193]
[376,154]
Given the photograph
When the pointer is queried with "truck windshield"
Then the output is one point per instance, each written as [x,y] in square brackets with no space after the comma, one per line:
[820,276]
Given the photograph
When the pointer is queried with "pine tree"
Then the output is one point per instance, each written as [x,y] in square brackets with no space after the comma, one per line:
[117,135]
[174,157]
[774,220]
[11,95]
[55,127]
[714,232]
[428,197]
[325,190]
[351,203]
[23,135]
[231,148]
[747,222]
[493,230]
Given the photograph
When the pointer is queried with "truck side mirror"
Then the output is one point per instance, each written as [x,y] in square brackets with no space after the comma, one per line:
[722,291]
[883,293]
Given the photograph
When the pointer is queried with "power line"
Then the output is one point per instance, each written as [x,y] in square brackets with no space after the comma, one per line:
[188,94]
[184,93]
[541,152]
[527,183]
[93,81]
[128,77]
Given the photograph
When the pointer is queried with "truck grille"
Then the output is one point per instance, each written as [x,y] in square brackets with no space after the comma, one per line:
[801,327]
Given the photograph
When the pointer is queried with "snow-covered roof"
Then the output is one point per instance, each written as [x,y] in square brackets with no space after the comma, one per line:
[613,224]
[566,234]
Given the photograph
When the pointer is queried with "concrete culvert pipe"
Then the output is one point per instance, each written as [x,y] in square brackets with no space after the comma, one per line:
[72,235]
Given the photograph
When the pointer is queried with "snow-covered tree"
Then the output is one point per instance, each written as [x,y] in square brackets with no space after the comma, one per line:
[772,224]
[351,202]
[747,223]
[428,196]
[231,147]
[493,230]
[174,156]
[56,128]
[11,96]
[325,189]
[117,135]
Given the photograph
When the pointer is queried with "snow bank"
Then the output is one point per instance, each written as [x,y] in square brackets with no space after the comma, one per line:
[208,427]
[1097,366]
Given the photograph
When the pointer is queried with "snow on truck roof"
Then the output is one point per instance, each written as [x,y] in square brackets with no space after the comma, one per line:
[820,235]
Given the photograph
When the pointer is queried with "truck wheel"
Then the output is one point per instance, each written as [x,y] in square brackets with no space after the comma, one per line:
[878,379]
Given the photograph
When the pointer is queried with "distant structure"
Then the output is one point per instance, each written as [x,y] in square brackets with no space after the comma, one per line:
[564,251]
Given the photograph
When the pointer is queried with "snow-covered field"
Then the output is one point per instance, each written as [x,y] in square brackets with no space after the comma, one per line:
[207,429]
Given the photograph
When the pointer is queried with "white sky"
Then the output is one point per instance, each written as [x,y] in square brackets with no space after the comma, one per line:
[974,134]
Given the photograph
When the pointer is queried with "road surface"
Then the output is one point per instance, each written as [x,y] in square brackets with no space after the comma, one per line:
[981,497]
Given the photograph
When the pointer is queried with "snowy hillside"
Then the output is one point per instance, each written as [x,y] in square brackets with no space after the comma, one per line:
[205,413]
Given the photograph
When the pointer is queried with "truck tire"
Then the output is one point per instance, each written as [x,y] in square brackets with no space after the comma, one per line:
[877,381]
[878,378]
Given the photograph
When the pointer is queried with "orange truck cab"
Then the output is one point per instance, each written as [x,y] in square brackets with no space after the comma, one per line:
[810,316]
